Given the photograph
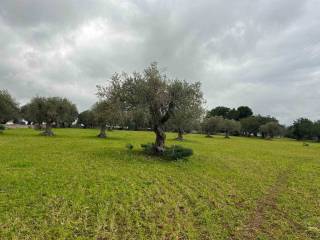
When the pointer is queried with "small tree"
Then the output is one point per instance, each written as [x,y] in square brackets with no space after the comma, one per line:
[9,109]
[35,111]
[67,112]
[212,125]
[50,114]
[106,113]
[250,125]
[188,108]
[49,110]
[271,129]
[230,127]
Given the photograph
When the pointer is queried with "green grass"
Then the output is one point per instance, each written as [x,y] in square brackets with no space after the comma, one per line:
[76,186]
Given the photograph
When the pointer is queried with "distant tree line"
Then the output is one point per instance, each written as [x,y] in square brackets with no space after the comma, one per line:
[240,121]
[151,101]
[304,129]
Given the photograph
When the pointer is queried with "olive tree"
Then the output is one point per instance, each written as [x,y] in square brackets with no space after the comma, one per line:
[49,110]
[151,90]
[67,112]
[251,125]
[271,129]
[9,108]
[211,125]
[230,126]
[189,108]
[34,111]
[106,113]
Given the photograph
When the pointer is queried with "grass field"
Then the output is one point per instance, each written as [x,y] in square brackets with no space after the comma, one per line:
[75,186]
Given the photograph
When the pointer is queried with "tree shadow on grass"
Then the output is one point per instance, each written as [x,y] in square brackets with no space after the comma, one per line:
[140,155]
[185,140]
[109,138]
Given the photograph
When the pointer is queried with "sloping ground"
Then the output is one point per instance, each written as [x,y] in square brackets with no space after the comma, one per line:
[75,186]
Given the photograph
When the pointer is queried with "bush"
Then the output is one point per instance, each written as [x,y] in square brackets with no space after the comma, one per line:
[2,127]
[174,152]
[148,148]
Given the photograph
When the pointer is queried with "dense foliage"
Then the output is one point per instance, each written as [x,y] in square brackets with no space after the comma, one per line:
[51,111]
[231,113]
[9,108]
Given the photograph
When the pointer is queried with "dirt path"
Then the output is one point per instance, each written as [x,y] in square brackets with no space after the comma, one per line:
[267,202]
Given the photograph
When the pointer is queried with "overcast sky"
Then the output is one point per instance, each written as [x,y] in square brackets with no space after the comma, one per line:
[261,53]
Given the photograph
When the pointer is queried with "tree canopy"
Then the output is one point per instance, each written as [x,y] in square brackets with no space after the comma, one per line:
[51,110]
[271,129]
[231,113]
[211,125]
[9,108]
[150,90]
[303,128]
[188,107]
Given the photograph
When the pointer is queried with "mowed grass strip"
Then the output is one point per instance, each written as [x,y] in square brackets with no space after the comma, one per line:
[76,186]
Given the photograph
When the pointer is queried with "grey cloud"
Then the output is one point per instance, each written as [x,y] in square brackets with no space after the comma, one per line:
[265,54]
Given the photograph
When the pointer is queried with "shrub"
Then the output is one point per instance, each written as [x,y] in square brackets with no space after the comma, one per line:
[2,127]
[148,148]
[174,152]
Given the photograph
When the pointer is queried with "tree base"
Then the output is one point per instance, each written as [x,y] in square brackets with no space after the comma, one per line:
[158,150]
[209,136]
[102,135]
[179,139]
[47,133]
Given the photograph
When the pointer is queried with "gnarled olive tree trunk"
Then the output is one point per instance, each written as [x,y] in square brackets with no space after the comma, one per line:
[102,133]
[159,146]
[160,139]
[48,130]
